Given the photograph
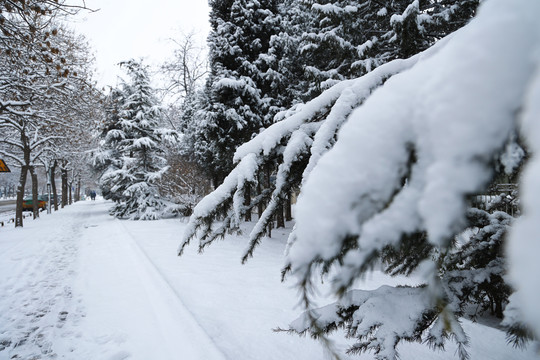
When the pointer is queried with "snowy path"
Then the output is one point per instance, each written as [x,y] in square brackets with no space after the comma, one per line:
[81,285]
[37,297]
[126,295]
[129,311]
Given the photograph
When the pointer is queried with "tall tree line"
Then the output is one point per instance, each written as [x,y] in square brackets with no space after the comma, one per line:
[332,55]
[266,56]
[45,85]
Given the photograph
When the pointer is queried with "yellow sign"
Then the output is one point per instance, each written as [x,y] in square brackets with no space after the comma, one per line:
[3,166]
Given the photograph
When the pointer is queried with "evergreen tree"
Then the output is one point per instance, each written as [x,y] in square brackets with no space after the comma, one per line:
[236,103]
[107,158]
[476,271]
[137,137]
[316,125]
[353,37]
[287,62]
[393,185]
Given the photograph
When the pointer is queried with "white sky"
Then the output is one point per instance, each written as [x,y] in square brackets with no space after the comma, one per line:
[125,29]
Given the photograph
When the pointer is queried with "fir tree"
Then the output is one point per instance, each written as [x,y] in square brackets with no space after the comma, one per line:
[315,129]
[353,37]
[288,63]
[237,102]
[477,269]
[136,135]
[107,158]
[393,185]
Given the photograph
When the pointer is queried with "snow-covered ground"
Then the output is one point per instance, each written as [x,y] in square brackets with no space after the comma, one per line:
[79,284]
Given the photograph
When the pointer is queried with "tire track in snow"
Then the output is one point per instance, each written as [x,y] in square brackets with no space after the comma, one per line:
[173,300]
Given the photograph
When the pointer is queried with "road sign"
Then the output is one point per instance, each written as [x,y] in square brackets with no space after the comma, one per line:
[3,166]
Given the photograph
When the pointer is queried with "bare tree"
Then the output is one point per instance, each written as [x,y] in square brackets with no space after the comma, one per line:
[187,68]
[37,77]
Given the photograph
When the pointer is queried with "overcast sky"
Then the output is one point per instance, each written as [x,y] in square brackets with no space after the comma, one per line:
[125,29]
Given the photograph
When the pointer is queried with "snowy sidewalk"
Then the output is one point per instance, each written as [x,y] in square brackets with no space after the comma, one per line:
[78,285]
[37,269]
[121,309]
[81,285]
[130,304]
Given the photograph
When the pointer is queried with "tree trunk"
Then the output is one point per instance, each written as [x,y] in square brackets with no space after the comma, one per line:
[279,215]
[268,184]
[20,197]
[288,207]
[33,176]
[78,190]
[260,207]
[247,202]
[53,187]
[216,181]
[64,176]
[498,307]
[70,184]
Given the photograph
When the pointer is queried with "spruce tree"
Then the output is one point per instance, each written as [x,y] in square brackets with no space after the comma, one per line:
[107,158]
[137,137]
[477,270]
[393,184]
[354,37]
[316,125]
[237,101]
[288,63]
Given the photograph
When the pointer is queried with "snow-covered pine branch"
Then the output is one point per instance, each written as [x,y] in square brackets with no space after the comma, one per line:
[523,246]
[408,157]
[373,319]
[307,132]
[397,176]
